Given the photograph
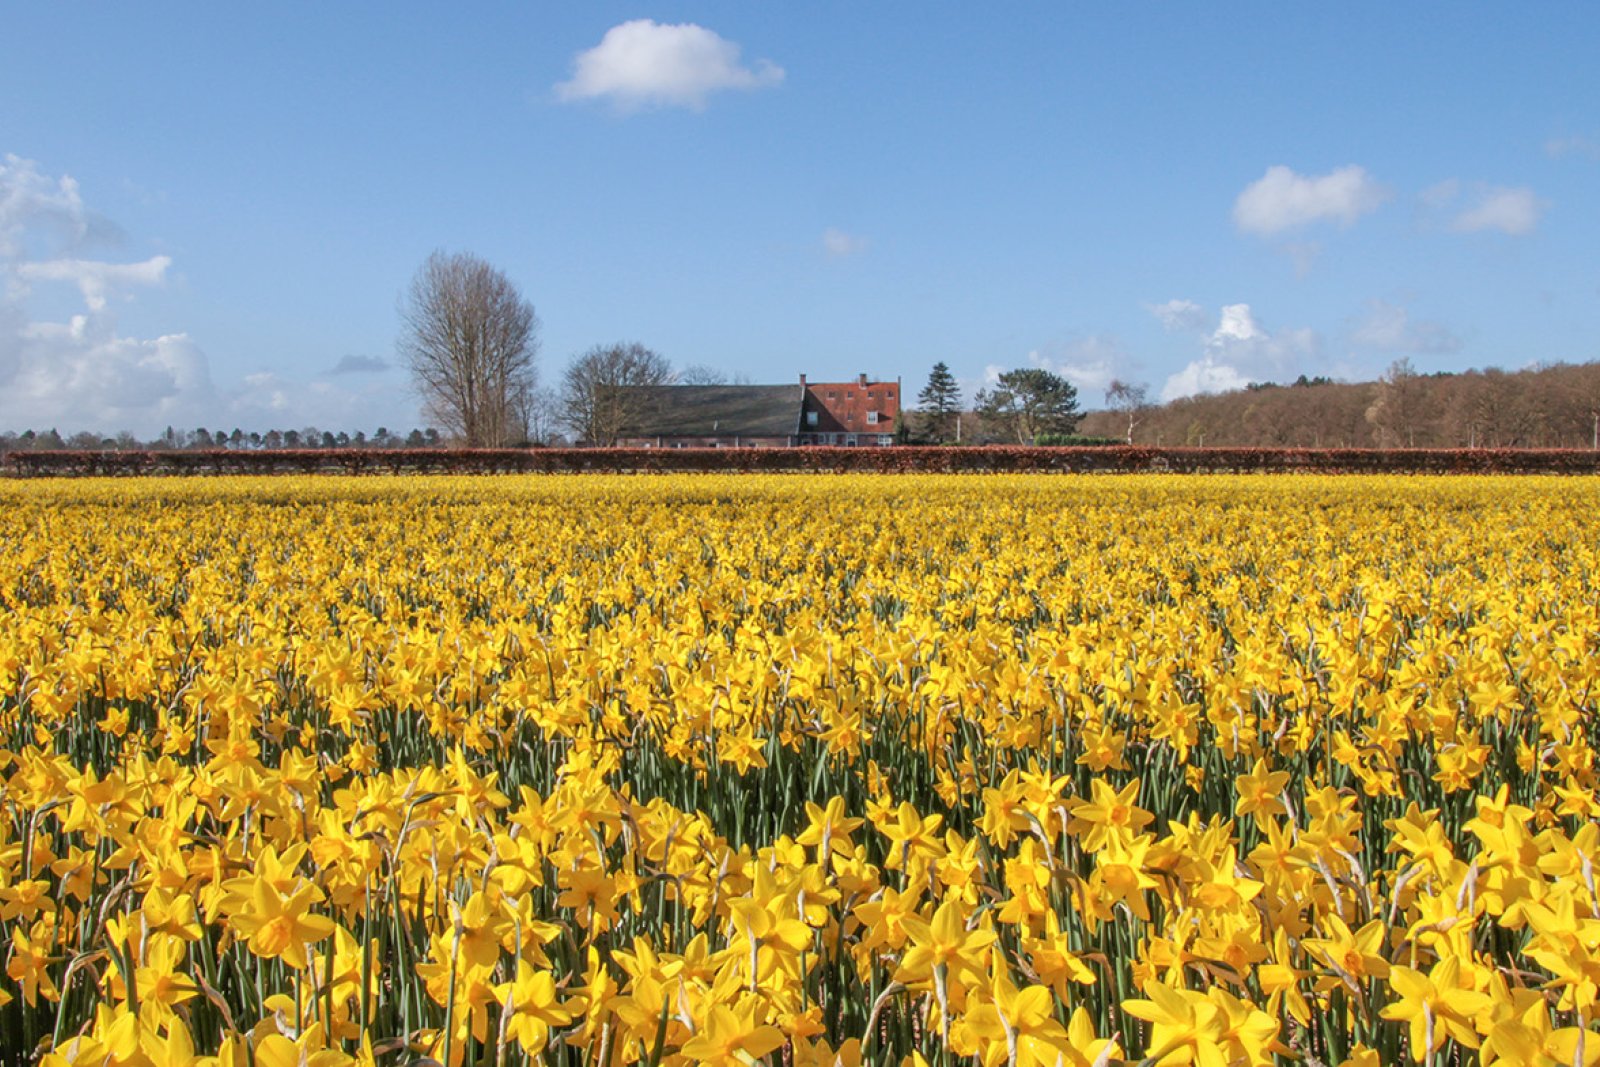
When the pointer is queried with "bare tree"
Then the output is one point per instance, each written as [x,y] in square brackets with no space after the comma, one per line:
[701,374]
[470,340]
[597,390]
[537,414]
[1397,405]
[1129,400]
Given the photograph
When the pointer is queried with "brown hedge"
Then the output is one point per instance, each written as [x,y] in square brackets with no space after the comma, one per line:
[905,459]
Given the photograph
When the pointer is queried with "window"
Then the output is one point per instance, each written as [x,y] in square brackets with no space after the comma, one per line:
[811,418]
[872,418]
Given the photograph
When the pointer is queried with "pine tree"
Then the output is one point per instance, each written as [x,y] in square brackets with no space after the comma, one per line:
[939,404]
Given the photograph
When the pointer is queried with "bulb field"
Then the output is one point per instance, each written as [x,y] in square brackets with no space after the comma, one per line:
[800,770]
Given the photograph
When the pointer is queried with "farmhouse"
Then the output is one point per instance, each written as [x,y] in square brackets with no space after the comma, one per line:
[710,416]
[857,413]
[861,412]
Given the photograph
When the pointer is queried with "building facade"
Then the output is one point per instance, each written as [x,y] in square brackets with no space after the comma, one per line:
[852,414]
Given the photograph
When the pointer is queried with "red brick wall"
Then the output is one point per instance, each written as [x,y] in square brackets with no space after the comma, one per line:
[843,407]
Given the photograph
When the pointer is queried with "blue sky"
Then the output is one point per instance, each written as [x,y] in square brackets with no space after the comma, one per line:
[208,213]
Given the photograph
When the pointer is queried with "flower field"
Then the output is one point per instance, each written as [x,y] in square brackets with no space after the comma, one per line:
[800,770]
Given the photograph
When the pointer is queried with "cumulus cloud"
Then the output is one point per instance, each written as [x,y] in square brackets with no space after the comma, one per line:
[94,278]
[1090,363]
[85,374]
[1240,351]
[1205,375]
[1514,211]
[644,63]
[34,204]
[1180,316]
[1282,200]
[353,364]
[839,244]
[1389,327]
[81,373]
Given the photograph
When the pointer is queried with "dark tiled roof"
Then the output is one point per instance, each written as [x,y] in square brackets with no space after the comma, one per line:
[703,410]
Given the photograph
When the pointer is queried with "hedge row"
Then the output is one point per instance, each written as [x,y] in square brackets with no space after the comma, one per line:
[902,459]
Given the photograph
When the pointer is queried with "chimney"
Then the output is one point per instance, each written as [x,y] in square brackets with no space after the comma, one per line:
[861,379]
[802,381]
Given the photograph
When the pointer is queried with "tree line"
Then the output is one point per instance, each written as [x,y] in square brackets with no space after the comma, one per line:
[174,439]
[1545,406]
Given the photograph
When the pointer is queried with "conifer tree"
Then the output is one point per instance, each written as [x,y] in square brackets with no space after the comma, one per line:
[939,405]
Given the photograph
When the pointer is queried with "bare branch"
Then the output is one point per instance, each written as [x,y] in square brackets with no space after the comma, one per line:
[470,341]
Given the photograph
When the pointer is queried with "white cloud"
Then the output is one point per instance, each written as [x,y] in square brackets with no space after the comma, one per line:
[1557,147]
[1240,351]
[1389,328]
[1237,325]
[1180,315]
[1205,375]
[644,63]
[1089,363]
[839,244]
[93,278]
[1439,195]
[1514,211]
[31,202]
[84,374]
[1283,200]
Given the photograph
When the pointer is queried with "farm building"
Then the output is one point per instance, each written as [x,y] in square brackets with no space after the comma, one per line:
[861,412]
[711,416]
[857,413]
